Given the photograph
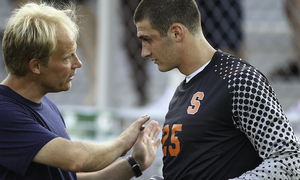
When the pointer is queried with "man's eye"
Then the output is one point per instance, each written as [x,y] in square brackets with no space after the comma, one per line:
[70,56]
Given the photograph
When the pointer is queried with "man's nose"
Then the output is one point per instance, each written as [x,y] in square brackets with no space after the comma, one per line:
[145,51]
[77,63]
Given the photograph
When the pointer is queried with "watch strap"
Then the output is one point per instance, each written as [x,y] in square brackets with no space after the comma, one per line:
[135,167]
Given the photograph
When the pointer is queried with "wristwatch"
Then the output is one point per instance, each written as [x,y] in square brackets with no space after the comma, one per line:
[135,167]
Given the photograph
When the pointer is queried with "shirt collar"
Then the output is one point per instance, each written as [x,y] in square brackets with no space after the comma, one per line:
[189,77]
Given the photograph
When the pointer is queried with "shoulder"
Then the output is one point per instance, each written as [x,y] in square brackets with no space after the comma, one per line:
[237,71]
[8,101]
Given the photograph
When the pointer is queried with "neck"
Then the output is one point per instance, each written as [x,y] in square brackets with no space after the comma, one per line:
[24,87]
[197,53]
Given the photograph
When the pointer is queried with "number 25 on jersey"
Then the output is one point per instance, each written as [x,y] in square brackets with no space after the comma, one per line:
[174,140]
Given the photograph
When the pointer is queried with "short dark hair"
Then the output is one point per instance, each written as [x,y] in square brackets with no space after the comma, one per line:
[163,13]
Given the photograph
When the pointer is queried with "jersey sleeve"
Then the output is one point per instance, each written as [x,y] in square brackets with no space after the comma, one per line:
[257,113]
[21,138]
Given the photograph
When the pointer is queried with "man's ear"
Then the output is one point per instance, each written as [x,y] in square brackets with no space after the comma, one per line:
[177,32]
[35,66]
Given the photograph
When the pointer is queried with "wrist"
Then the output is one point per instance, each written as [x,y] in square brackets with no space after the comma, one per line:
[135,166]
[121,146]
[139,160]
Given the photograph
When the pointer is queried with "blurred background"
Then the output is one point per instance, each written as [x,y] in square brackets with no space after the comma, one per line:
[115,85]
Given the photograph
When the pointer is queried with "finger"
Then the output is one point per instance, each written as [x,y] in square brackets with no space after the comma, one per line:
[156,133]
[152,127]
[148,128]
[142,127]
[142,120]
[157,144]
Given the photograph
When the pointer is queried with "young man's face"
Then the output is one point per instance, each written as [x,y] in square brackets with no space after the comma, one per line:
[161,50]
[57,76]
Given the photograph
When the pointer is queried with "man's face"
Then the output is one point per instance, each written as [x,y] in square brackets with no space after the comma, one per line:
[57,76]
[161,50]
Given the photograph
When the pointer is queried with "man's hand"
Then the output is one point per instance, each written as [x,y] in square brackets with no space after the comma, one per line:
[130,135]
[144,150]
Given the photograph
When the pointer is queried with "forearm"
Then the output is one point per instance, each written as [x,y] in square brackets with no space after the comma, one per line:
[99,155]
[88,156]
[120,170]
[79,156]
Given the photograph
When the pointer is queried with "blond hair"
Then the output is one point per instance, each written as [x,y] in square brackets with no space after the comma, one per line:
[31,34]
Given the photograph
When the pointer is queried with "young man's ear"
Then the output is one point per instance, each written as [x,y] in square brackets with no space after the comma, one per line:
[177,32]
[35,66]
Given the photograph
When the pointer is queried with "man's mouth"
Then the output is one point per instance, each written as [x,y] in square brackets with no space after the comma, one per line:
[154,60]
[71,77]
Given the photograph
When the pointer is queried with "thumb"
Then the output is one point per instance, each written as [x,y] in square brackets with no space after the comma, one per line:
[141,121]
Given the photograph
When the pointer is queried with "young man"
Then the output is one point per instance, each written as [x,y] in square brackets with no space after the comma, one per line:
[224,121]
[39,48]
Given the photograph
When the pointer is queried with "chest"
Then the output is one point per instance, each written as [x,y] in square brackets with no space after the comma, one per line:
[51,120]
[199,115]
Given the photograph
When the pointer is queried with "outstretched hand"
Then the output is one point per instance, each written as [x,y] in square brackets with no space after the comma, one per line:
[145,148]
[130,135]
